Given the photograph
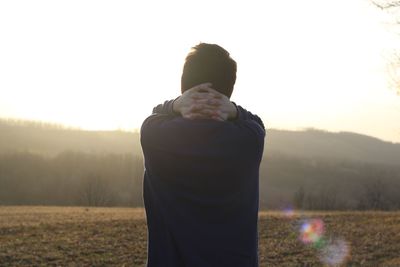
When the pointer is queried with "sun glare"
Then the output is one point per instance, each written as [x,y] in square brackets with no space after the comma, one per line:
[104,65]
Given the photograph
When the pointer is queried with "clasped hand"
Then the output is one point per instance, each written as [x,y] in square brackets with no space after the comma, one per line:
[203,102]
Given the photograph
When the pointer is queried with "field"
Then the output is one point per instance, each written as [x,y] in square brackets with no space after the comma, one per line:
[63,236]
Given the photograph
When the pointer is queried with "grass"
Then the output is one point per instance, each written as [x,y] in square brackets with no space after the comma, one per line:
[78,236]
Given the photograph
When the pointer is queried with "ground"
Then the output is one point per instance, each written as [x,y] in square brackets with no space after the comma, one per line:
[79,236]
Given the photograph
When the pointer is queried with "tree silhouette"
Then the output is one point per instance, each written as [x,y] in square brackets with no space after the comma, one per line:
[95,191]
[393,7]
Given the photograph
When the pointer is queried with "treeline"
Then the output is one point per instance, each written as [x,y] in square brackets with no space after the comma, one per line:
[71,178]
[94,179]
[52,139]
[328,184]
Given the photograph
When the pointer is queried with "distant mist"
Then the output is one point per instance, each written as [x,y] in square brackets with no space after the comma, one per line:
[44,164]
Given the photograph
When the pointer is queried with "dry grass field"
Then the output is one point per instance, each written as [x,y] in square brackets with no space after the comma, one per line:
[61,236]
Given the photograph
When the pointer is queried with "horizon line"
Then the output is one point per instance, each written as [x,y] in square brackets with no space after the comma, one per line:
[61,126]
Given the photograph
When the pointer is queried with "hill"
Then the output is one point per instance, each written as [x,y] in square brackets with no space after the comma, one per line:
[49,139]
[313,143]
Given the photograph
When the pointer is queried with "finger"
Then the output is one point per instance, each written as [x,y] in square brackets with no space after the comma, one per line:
[201,95]
[209,112]
[201,87]
[212,114]
[200,107]
[197,95]
[195,107]
[210,91]
[217,118]
[205,96]
[221,114]
[215,94]
[201,101]
[193,116]
[208,101]
[204,108]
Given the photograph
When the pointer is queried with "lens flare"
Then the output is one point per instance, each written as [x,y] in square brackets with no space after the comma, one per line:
[320,243]
[335,252]
[331,251]
[311,231]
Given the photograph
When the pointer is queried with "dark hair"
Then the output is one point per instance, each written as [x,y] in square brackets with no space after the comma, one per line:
[209,63]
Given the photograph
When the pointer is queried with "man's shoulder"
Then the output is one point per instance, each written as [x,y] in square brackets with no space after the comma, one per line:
[164,120]
[246,115]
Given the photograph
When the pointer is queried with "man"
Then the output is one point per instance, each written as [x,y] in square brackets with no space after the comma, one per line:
[202,155]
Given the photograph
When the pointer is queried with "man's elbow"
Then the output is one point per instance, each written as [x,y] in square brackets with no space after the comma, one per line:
[146,132]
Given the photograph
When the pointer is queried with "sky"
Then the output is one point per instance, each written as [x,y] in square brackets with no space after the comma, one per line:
[104,64]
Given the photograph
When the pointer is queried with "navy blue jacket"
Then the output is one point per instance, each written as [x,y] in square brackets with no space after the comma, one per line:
[201,189]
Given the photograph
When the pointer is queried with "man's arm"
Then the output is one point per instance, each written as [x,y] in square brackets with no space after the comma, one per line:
[243,114]
[175,135]
[166,109]
[203,102]
[165,126]
[164,130]
[200,102]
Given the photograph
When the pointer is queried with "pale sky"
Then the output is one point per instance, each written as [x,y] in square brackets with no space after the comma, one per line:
[105,64]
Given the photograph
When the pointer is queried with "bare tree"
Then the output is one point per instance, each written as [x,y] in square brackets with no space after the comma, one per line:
[327,198]
[374,196]
[311,202]
[395,198]
[299,198]
[95,191]
[393,7]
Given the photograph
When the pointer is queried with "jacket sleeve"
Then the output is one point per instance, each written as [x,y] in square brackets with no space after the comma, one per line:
[166,108]
[247,115]
[242,114]
[167,131]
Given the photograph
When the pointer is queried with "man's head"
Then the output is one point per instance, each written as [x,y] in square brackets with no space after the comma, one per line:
[209,63]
